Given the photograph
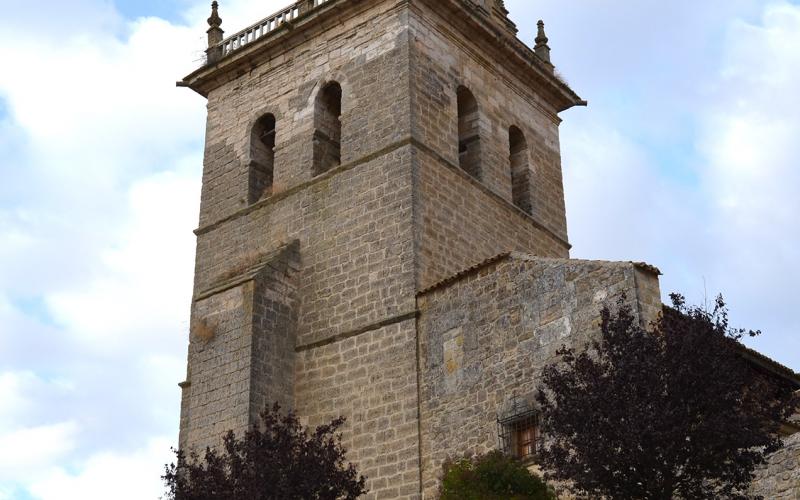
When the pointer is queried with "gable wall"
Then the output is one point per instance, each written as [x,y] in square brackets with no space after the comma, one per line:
[486,337]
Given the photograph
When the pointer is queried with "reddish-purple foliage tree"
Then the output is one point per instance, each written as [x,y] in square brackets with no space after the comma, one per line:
[672,412]
[277,460]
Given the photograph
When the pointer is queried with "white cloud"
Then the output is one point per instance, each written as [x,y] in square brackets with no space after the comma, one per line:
[125,335]
[20,393]
[749,138]
[115,108]
[714,200]
[114,116]
[615,193]
[25,20]
[11,399]
[132,476]
[139,299]
[27,451]
[102,157]
[100,194]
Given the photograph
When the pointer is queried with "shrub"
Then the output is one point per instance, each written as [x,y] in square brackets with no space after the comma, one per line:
[493,476]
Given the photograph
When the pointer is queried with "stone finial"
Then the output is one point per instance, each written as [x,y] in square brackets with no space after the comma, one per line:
[214,21]
[541,48]
[215,34]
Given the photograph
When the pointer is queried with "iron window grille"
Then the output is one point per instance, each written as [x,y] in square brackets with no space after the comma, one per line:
[518,433]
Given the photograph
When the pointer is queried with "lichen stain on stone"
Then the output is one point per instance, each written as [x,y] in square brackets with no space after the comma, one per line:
[454,352]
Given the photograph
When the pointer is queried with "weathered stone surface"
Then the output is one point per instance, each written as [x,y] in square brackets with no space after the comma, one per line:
[371,379]
[241,349]
[779,479]
[485,338]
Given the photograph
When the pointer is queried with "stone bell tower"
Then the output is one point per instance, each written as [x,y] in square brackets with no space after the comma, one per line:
[358,152]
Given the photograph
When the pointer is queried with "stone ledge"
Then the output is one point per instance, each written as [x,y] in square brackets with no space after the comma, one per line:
[275,198]
[359,331]
[407,141]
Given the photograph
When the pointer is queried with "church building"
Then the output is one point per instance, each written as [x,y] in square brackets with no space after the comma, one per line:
[383,235]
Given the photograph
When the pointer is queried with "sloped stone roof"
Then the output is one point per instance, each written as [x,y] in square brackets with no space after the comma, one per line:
[751,355]
[277,260]
[523,257]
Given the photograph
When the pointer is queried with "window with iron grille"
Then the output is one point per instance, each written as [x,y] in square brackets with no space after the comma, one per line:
[519,434]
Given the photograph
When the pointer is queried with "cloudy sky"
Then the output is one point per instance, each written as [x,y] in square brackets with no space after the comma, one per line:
[687,157]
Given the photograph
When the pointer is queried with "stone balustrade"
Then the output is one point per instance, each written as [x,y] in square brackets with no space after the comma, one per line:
[267,25]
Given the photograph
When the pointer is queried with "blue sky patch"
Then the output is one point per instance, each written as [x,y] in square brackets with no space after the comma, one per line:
[165,9]
[20,494]
[4,111]
[677,157]
[36,308]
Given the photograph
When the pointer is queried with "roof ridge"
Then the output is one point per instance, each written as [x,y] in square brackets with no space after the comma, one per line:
[517,255]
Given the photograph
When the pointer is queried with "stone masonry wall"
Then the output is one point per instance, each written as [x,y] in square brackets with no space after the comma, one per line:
[343,332]
[459,223]
[461,220]
[351,315]
[218,380]
[241,350]
[443,59]
[274,340]
[354,222]
[353,308]
[485,338]
[365,52]
[648,293]
[780,478]
[356,246]
[371,379]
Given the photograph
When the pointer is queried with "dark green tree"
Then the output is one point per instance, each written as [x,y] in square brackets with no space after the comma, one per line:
[675,412]
[277,460]
[494,476]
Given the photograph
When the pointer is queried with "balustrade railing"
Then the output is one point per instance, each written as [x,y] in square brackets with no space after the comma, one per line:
[268,24]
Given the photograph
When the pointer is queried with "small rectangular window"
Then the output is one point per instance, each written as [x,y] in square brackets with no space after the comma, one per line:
[526,440]
[519,434]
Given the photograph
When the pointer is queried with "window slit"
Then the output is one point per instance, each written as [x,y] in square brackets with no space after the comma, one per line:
[327,147]
[469,143]
[262,158]
[520,170]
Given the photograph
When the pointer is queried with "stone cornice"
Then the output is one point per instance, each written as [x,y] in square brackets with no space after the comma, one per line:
[507,49]
[475,25]
[280,40]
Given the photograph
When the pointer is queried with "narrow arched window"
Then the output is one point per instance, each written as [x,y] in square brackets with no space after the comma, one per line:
[520,169]
[469,139]
[262,158]
[328,128]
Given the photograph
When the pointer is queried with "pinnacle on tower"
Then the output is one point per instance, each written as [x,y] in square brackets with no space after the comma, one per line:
[541,48]
[215,33]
